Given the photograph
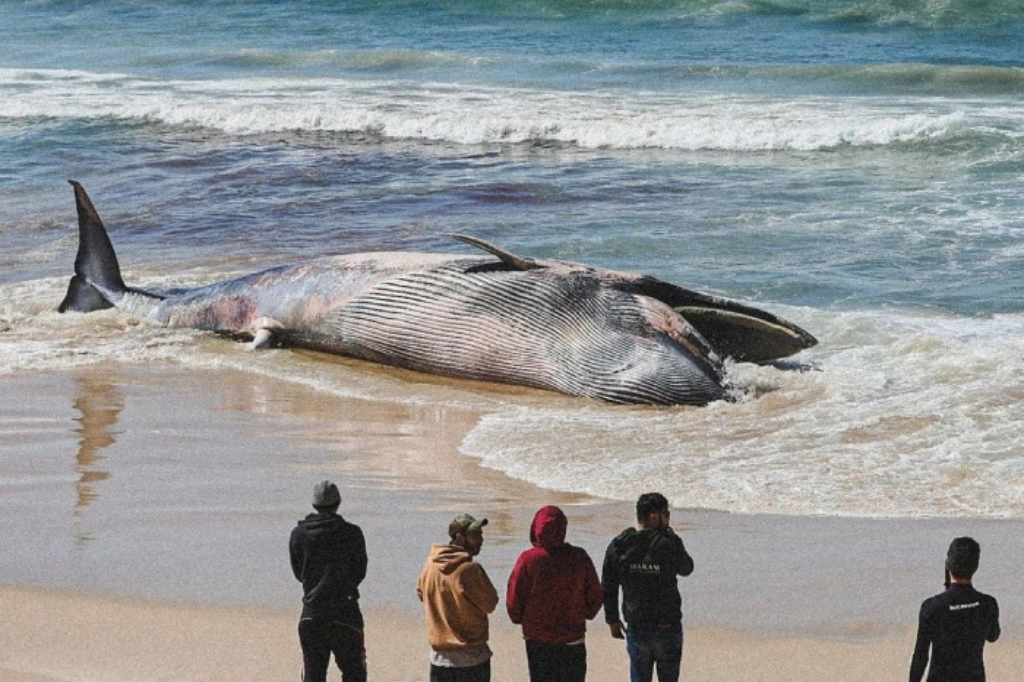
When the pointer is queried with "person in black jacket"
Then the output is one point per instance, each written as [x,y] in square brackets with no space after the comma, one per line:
[328,557]
[644,561]
[955,624]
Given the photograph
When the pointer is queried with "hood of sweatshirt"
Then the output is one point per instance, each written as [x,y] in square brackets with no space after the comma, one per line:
[449,557]
[548,528]
[317,527]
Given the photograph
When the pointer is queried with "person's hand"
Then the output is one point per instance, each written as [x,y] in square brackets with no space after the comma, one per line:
[618,632]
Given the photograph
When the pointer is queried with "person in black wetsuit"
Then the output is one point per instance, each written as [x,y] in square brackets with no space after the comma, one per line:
[328,556]
[956,623]
[644,561]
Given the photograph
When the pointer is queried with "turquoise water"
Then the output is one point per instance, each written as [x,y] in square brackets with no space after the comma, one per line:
[854,166]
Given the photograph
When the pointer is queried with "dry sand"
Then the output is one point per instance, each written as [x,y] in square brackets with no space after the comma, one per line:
[145,513]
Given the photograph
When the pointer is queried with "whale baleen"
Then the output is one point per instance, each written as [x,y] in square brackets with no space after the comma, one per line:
[491,316]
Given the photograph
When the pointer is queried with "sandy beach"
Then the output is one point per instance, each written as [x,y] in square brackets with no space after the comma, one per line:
[146,511]
[62,637]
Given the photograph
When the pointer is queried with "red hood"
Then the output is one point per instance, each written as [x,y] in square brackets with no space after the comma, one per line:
[548,528]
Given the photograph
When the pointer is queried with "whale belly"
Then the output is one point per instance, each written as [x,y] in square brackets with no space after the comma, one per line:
[568,334]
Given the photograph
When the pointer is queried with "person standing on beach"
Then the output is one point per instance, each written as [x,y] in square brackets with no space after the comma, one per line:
[552,592]
[956,623]
[328,557]
[457,597]
[644,561]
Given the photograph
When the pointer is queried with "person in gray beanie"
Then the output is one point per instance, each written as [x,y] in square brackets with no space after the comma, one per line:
[328,556]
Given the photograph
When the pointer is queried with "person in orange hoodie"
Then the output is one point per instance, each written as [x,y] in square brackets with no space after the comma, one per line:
[552,592]
[457,596]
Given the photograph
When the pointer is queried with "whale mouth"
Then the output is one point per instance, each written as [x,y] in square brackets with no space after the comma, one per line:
[745,337]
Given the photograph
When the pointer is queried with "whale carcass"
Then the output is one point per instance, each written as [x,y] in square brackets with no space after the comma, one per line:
[491,316]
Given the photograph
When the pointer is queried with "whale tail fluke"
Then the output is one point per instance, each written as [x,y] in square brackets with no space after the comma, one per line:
[97,283]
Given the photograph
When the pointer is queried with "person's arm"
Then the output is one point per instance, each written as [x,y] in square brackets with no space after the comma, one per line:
[682,559]
[993,628]
[358,560]
[296,554]
[919,661]
[478,588]
[518,588]
[610,591]
[593,595]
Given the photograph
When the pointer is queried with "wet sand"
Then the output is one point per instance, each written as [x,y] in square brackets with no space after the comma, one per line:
[146,512]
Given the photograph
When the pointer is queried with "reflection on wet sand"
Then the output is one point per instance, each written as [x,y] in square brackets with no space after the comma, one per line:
[389,444]
[410,447]
[99,402]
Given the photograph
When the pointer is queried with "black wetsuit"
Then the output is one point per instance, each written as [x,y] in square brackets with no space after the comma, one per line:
[955,625]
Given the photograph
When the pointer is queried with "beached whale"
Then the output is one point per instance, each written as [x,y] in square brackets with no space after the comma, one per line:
[549,324]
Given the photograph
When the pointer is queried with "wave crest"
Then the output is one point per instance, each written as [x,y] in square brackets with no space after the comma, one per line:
[477,114]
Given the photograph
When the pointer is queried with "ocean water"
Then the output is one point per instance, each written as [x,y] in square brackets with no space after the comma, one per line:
[856,167]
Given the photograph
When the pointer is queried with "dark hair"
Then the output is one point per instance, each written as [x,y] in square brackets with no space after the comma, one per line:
[650,503]
[962,557]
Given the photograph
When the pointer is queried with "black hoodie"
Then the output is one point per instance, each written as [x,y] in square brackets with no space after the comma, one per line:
[645,563]
[329,558]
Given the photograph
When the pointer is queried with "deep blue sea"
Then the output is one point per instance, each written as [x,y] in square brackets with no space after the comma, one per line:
[854,166]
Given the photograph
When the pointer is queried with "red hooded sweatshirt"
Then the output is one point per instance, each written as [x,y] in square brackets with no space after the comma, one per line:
[554,589]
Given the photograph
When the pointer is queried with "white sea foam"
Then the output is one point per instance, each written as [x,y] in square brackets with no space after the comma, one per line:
[478,114]
[902,416]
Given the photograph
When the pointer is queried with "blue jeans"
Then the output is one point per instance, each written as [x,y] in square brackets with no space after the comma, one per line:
[654,646]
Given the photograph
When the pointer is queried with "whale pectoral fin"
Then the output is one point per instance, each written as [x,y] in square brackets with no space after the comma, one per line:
[265,332]
[507,257]
[263,338]
[747,337]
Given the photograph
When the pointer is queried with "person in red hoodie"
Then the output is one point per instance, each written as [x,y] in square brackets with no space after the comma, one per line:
[552,592]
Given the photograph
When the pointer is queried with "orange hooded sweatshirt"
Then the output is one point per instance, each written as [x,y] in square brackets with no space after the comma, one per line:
[457,595]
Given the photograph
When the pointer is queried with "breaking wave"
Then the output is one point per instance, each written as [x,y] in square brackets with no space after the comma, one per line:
[478,114]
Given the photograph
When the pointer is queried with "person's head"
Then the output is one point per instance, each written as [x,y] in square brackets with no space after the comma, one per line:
[962,558]
[548,527]
[652,510]
[326,497]
[468,533]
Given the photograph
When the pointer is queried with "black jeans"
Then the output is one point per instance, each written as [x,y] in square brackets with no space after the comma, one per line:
[556,662]
[320,638]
